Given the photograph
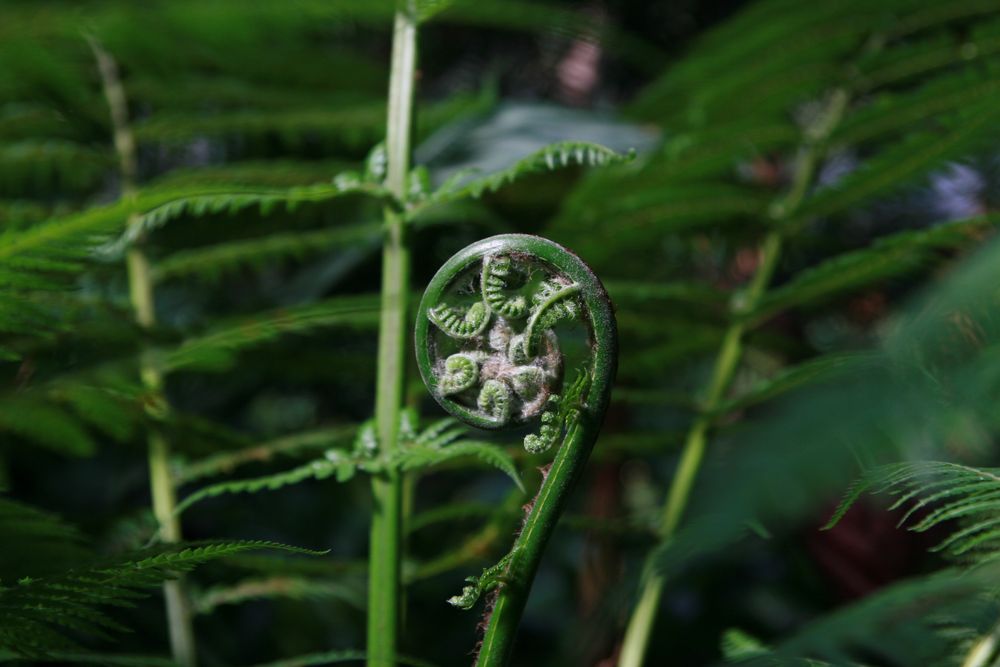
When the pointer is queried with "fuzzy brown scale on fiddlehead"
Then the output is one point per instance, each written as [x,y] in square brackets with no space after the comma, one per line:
[497,276]
[458,325]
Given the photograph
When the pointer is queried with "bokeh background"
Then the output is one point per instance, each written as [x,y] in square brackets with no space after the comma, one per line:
[723,102]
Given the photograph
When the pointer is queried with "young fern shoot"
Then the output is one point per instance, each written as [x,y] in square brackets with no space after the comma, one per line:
[496,329]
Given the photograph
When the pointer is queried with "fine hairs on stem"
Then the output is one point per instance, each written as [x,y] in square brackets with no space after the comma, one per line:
[513,372]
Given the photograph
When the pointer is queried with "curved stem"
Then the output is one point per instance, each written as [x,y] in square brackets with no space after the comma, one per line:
[727,361]
[387,492]
[580,409]
[140,281]
[529,547]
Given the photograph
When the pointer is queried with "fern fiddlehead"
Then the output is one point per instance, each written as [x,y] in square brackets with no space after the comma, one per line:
[544,309]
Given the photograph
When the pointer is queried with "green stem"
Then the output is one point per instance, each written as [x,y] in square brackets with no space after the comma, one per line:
[386,534]
[179,617]
[727,361]
[498,642]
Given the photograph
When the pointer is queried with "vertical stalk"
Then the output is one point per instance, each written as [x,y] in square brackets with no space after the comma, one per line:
[384,548]
[141,295]
[726,362]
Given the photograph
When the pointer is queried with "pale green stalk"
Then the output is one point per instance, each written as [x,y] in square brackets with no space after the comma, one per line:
[726,362]
[386,534]
[141,295]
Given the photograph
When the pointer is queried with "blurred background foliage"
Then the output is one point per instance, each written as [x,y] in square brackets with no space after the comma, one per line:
[817,181]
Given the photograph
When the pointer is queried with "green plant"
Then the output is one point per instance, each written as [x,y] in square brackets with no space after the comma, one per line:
[876,87]
[488,353]
[194,275]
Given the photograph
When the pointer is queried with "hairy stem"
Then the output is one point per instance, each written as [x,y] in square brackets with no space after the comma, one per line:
[179,623]
[726,362]
[386,534]
[581,414]
[529,547]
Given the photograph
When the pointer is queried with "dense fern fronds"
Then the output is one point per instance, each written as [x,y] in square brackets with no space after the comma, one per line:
[938,495]
[905,623]
[437,445]
[44,609]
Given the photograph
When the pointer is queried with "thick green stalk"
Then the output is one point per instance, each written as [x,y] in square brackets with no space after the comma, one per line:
[386,534]
[141,295]
[726,362]
[498,642]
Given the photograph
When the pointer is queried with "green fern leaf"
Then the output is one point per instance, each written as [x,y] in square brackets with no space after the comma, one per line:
[947,492]
[419,457]
[807,373]
[226,462]
[334,464]
[554,156]
[212,261]
[216,349]
[909,160]
[283,587]
[889,256]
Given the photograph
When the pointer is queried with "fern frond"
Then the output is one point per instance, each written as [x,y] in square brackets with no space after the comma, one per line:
[279,587]
[909,60]
[355,125]
[36,612]
[36,542]
[334,464]
[46,424]
[906,161]
[642,293]
[450,513]
[890,114]
[75,236]
[254,173]
[226,462]
[212,261]
[51,165]
[666,208]
[737,645]
[887,257]
[554,156]
[898,622]
[418,457]
[162,206]
[806,373]
[217,348]
[940,492]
